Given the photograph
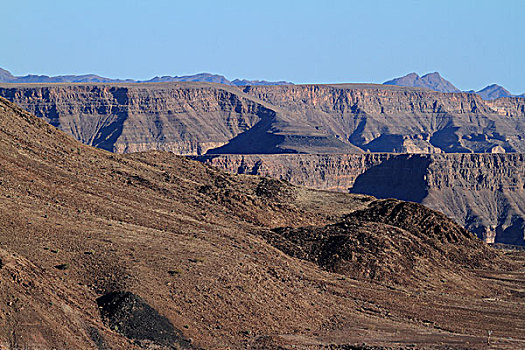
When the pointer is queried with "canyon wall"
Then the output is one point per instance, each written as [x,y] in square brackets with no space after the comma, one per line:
[379,118]
[483,192]
[199,118]
[130,118]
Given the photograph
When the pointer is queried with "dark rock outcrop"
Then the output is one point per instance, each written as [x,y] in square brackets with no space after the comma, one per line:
[130,315]
[388,241]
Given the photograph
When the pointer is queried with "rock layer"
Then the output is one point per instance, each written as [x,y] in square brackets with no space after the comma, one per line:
[483,192]
[194,118]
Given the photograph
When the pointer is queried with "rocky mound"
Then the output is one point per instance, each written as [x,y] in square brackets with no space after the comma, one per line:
[390,240]
[433,228]
[130,315]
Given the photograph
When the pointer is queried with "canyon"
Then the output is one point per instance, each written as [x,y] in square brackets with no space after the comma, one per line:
[199,118]
[152,250]
[453,152]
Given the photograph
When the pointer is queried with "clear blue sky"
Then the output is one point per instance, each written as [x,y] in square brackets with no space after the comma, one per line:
[472,43]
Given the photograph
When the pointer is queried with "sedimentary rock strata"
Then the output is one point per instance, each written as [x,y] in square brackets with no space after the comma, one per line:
[196,118]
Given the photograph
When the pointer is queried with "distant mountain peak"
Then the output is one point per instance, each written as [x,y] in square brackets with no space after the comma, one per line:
[493,91]
[5,75]
[433,81]
[207,77]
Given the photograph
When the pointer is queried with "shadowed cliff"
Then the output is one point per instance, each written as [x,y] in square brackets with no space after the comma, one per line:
[402,177]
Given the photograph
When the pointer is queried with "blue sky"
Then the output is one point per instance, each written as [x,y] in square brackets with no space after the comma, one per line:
[471,43]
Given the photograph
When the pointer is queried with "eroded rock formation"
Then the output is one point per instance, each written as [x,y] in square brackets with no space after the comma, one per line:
[196,118]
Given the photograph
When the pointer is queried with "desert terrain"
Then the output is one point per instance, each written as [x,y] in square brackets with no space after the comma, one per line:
[152,250]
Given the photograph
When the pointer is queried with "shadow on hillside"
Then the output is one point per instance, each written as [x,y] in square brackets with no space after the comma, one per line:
[257,140]
[401,177]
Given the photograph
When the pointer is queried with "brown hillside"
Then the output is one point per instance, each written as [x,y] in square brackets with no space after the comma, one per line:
[180,254]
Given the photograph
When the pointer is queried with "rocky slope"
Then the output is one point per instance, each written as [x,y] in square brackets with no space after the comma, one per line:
[194,118]
[483,192]
[155,251]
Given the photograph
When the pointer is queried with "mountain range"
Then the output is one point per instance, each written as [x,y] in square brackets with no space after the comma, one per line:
[434,81]
[7,77]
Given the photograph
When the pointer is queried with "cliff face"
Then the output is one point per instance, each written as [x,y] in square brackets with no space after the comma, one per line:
[389,119]
[194,118]
[483,192]
[123,118]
